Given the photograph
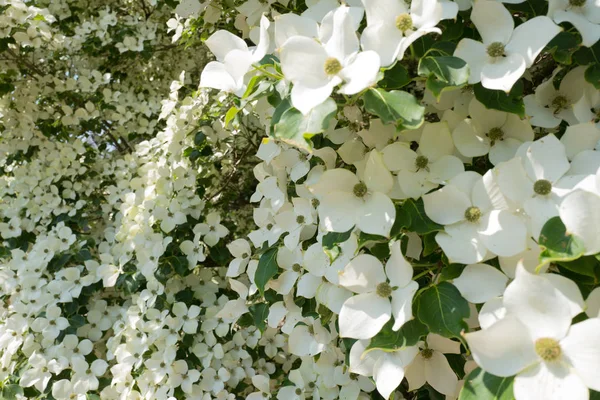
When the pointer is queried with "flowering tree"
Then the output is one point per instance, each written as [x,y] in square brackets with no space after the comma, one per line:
[290,199]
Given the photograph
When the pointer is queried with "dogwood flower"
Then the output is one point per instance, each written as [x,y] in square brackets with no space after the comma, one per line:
[234,59]
[582,14]
[391,28]
[345,201]
[506,51]
[431,366]
[496,132]
[315,69]
[362,316]
[535,341]
[432,164]
[475,220]
[549,106]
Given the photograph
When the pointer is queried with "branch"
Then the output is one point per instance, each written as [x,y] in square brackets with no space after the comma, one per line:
[27,63]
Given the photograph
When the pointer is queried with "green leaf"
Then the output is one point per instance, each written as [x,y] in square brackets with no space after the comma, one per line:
[592,75]
[252,85]
[587,265]
[480,385]
[259,312]
[331,241]
[396,107]
[442,308]
[498,100]
[562,47]
[395,77]
[419,221]
[230,115]
[443,73]
[408,335]
[295,128]
[10,392]
[557,244]
[267,269]
[588,55]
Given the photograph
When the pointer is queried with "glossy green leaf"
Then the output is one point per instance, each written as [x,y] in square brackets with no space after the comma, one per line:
[395,77]
[259,312]
[480,385]
[443,73]
[592,75]
[557,244]
[419,221]
[295,128]
[443,309]
[395,107]
[499,100]
[408,335]
[267,269]
[11,392]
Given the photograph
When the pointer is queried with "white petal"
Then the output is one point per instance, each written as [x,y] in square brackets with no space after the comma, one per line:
[302,343]
[513,180]
[462,244]
[388,371]
[377,215]
[444,169]
[570,290]
[398,156]
[442,344]
[493,21]
[479,283]
[440,375]
[550,381]
[527,41]
[593,303]
[305,99]
[397,269]
[582,348]
[415,373]
[468,142]
[303,60]
[402,304]
[538,305]
[384,39]
[308,285]
[503,233]
[377,177]
[222,42]
[436,141]
[362,316]
[343,41]
[447,205]
[361,73]
[578,138]
[361,363]
[491,312]
[540,116]
[289,25]
[338,210]
[362,274]
[590,33]
[504,348]
[546,159]
[503,72]
[580,212]
[474,54]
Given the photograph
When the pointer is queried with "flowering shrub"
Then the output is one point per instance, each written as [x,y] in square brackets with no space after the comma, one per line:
[300,199]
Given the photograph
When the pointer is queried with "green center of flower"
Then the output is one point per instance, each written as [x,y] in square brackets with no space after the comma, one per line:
[542,187]
[548,349]
[315,203]
[496,49]
[300,219]
[421,162]
[298,392]
[472,214]
[559,103]
[426,353]
[360,190]
[332,66]
[296,267]
[384,290]
[404,22]
[577,3]
[495,134]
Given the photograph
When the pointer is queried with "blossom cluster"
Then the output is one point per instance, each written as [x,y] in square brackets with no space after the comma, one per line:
[362,199]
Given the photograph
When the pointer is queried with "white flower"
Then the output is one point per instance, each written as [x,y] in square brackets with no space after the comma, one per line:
[496,132]
[549,106]
[188,315]
[535,341]
[506,52]
[584,15]
[432,164]
[234,59]
[240,249]
[315,69]
[212,230]
[431,366]
[391,29]
[346,202]
[362,316]
[476,219]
